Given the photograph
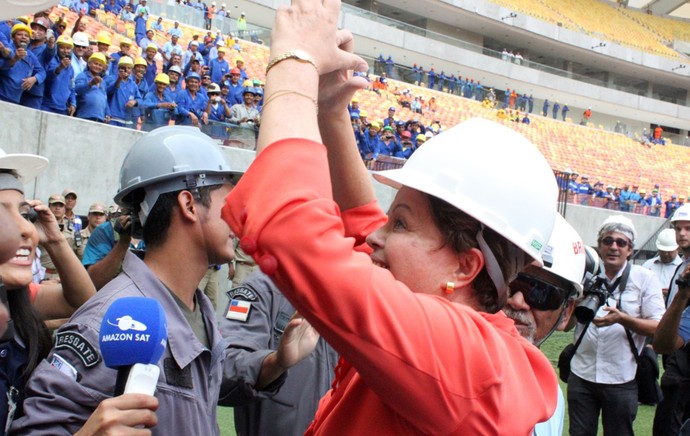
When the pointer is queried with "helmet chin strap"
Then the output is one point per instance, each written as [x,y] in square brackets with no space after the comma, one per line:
[555,325]
[494,270]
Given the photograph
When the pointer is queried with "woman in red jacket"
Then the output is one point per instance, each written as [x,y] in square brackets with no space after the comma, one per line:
[417,319]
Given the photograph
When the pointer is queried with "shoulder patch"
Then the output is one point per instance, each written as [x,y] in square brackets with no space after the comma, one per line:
[282,321]
[64,366]
[242,291]
[78,344]
[238,310]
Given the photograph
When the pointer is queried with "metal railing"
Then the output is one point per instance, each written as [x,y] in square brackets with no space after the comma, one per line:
[195,17]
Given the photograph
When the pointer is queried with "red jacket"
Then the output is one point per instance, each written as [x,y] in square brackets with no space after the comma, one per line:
[420,364]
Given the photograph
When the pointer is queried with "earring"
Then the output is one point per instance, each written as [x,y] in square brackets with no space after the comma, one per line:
[450,288]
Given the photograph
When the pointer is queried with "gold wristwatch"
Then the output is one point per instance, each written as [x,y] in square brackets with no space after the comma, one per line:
[298,55]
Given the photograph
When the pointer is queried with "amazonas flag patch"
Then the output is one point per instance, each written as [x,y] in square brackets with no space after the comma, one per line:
[238,310]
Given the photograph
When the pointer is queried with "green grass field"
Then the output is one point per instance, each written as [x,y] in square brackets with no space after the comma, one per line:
[552,348]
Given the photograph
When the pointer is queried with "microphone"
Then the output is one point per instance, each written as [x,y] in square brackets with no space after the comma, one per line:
[133,337]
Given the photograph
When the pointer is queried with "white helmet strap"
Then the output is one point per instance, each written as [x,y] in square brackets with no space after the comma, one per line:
[494,270]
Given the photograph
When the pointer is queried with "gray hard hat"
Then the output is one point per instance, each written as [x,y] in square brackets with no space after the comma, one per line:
[169,159]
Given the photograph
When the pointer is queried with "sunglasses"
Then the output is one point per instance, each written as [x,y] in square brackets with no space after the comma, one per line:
[608,241]
[538,294]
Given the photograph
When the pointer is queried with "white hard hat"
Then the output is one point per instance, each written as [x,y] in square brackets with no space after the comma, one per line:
[566,254]
[80,39]
[27,166]
[592,262]
[472,166]
[666,241]
[682,214]
[620,224]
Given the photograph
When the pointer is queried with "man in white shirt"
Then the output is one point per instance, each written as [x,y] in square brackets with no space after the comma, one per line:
[602,378]
[665,263]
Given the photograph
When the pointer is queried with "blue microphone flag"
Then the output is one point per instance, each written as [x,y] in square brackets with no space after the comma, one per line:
[133,330]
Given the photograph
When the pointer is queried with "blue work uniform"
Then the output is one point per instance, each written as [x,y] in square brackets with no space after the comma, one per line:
[118,97]
[92,100]
[187,104]
[59,92]
[157,117]
[34,97]
[219,68]
[12,77]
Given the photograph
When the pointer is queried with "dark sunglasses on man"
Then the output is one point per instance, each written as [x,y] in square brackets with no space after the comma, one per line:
[538,294]
[608,241]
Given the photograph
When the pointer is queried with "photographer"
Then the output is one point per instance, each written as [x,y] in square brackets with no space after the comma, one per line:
[107,247]
[603,369]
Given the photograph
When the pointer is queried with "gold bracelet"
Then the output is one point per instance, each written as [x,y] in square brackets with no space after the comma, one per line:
[283,92]
[298,55]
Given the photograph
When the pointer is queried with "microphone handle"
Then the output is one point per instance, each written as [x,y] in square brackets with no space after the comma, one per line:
[140,378]
[121,381]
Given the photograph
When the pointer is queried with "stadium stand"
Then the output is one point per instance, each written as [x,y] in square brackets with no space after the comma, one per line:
[596,18]
[609,157]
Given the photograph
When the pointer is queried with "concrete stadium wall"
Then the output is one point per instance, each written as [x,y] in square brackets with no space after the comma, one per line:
[87,156]
[84,155]
[586,221]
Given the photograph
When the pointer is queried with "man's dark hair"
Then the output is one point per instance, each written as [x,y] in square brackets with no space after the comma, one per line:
[158,222]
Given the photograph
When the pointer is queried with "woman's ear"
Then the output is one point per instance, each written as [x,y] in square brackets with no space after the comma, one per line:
[470,264]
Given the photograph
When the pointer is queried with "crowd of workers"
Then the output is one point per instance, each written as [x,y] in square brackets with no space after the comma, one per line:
[630,198]
[206,83]
[417,312]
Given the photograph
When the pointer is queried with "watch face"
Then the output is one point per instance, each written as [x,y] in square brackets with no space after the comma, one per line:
[301,55]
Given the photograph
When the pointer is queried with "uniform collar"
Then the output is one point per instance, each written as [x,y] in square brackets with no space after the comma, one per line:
[183,343]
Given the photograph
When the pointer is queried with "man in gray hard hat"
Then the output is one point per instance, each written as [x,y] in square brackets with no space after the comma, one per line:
[174,179]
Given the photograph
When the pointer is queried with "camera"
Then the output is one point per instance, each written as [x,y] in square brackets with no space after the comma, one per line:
[596,293]
[31,215]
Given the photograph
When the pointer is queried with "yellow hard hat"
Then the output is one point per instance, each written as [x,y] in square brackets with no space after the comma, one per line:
[221,49]
[126,41]
[125,60]
[421,138]
[152,47]
[103,38]
[363,113]
[375,124]
[24,19]
[98,57]
[162,78]
[141,61]
[20,26]
[238,59]
[65,40]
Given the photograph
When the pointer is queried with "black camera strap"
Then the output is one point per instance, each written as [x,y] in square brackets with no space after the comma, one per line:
[624,282]
[582,335]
